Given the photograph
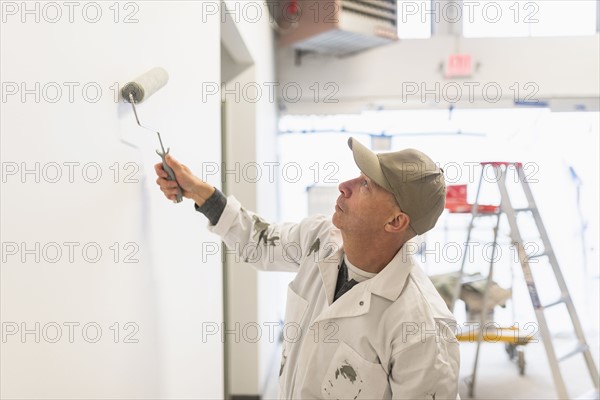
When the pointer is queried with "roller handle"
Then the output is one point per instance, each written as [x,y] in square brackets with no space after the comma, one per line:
[171,174]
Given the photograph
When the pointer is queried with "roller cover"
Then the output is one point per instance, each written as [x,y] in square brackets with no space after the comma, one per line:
[145,85]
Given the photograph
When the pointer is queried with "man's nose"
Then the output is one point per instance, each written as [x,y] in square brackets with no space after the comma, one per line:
[345,188]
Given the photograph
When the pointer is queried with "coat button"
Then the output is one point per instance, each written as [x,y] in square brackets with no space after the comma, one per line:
[362,303]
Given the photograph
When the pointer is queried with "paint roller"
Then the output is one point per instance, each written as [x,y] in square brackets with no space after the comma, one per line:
[139,90]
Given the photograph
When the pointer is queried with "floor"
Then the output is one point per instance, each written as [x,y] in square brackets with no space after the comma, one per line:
[498,377]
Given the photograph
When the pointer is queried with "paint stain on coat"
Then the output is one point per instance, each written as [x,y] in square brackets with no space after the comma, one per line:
[346,383]
[315,247]
[346,371]
[261,229]
[283,359]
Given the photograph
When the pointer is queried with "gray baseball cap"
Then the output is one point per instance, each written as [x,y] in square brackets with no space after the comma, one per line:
[412,177]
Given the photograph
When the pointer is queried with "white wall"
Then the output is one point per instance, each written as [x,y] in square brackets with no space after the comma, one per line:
[242,304]
[170,292]
[562,70]
[252,125]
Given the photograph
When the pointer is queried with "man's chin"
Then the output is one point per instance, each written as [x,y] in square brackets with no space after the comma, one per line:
[335,219]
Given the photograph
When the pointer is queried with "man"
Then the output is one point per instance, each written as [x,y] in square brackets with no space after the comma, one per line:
[362,320]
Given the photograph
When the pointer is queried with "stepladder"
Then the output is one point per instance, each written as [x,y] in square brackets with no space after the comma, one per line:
[543,260]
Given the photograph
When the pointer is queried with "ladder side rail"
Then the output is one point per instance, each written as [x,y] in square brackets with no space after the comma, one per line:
[515,234]
[565,296]
[544,234]
[458,285]
[483,316]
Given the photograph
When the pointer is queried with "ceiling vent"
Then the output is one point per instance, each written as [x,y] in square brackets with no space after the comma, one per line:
[338,27]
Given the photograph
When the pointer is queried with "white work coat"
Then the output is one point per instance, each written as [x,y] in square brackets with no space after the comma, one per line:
[390,336]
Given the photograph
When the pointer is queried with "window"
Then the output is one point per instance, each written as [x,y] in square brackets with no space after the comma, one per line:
[414,21]
[521,18]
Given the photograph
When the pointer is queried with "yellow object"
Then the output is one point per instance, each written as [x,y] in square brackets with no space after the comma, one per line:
[494,334]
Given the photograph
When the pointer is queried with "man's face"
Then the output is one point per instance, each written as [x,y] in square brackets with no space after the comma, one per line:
[363,207]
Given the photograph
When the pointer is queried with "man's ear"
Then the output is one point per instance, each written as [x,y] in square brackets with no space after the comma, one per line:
[398,222]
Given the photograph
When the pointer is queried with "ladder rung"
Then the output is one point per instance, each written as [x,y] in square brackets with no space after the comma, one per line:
[542,254]
[579,349]
[524,209]
[486,213]
[557,302]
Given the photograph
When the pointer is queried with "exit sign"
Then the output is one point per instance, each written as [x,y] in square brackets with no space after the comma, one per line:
[459,66]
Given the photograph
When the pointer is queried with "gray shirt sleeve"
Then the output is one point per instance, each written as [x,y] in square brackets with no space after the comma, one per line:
[213,206]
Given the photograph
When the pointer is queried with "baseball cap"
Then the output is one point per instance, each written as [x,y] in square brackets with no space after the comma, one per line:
[411,176]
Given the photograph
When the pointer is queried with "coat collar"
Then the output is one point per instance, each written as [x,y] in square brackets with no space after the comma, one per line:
[388,283]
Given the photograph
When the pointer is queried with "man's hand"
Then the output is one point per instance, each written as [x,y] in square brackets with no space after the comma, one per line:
[192,187]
